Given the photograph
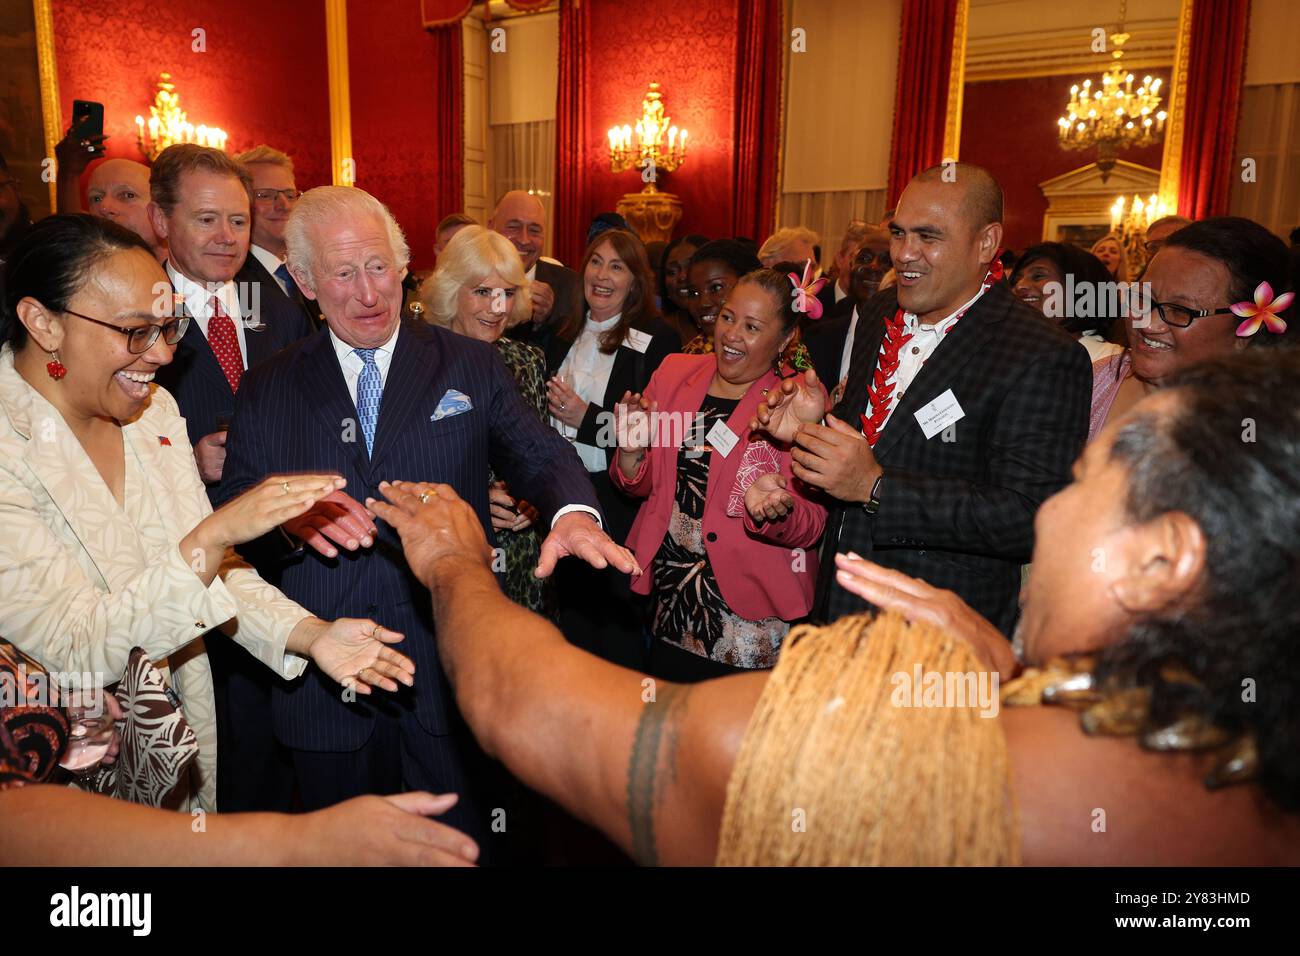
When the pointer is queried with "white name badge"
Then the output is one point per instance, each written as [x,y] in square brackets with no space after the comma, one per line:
[721,438]
[638,340]
[939,414]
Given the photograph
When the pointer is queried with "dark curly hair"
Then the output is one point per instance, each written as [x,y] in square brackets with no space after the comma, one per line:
[732,253]
[1228,457]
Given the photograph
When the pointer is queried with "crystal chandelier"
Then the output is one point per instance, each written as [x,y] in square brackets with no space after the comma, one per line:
[168,124]
[648,151]
[1130,221]
[1114,117]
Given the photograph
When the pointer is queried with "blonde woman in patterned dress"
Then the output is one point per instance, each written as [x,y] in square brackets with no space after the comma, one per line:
[479,290]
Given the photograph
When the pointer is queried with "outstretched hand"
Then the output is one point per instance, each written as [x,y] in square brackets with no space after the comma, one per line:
[911,597]
[579,535]
[434,524]
[336,519]
[354,653]
[798,400]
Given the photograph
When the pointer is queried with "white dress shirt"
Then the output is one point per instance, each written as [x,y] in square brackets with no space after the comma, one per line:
[1098,348]
[198,304]
[352,365]
[848,346]
[586,368]
[925,339]
[840,294]
[270,262]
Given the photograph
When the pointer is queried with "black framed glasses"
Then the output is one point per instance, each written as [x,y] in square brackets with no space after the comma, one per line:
[140,338]
[1141,305]
[1180,316]
[268,195]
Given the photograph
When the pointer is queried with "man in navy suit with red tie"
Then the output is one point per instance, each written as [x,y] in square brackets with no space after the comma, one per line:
[377,398]
[200,206]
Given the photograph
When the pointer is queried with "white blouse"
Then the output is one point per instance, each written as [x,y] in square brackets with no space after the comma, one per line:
[586,368]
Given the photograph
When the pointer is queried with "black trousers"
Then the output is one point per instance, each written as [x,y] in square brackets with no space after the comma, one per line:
[598,611]
[401,756]
[254,770]
[672,663]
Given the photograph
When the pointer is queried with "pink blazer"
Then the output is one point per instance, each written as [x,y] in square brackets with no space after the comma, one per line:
[767,570]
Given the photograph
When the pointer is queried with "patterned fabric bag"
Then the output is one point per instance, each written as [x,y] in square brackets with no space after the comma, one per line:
[32,735]
[158,745]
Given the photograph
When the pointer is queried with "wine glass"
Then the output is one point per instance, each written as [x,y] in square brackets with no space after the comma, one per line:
[90,733]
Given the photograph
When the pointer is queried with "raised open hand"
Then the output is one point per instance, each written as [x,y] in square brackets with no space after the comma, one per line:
[799,400]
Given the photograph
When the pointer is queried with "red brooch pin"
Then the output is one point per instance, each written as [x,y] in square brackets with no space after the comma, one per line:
[164,440]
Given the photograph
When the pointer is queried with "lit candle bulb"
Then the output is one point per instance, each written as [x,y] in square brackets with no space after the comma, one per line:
[682,140]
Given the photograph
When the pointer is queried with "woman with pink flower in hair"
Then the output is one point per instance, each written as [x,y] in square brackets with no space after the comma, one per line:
[1217,286]
[727,534]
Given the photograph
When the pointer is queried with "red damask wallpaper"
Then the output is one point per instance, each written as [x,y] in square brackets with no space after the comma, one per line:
[261,74]
[690,50]
[1009,127]
[393,73]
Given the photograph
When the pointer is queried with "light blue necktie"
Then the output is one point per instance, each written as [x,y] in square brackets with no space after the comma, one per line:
[370,389]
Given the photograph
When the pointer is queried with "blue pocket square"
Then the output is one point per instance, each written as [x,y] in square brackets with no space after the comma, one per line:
[452,403]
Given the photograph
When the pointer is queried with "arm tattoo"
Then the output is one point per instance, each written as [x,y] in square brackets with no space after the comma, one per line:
[642,770]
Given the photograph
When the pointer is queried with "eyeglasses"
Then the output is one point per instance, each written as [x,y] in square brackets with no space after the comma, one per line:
[1172,314]
[140,339]
[268,195]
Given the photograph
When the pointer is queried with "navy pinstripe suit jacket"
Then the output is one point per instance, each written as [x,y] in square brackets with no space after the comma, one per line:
[294,414]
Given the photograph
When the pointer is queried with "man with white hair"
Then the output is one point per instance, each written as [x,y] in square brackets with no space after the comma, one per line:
[274,194]
[378,398]
[792,244]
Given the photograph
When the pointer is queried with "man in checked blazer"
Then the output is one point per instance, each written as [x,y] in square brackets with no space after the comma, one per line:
[377,398]
[987,412]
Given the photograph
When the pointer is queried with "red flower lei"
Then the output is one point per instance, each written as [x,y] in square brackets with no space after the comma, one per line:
[880,391]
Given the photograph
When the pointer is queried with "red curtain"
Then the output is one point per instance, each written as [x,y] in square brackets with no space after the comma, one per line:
[759,51]
[1217,57]
[570,225]
[921,97]
[449,150]
[436,13]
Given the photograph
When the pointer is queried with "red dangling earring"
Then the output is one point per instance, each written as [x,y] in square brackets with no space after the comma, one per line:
[56,369]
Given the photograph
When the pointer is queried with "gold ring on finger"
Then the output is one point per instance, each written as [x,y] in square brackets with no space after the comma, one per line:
[424,497]
[284,487]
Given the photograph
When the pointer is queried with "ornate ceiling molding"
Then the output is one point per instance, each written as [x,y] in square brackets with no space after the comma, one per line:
[1058,52]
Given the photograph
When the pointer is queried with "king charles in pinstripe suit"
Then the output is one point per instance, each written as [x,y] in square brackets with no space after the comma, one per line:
[377,398]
